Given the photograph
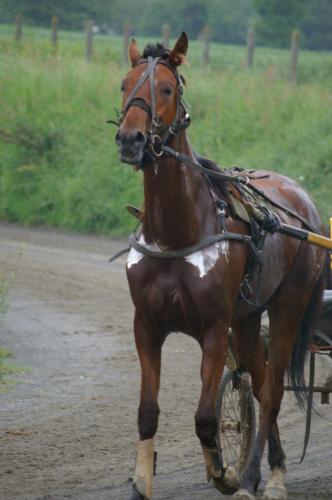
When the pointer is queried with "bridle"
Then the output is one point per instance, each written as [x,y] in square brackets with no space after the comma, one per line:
[159,133]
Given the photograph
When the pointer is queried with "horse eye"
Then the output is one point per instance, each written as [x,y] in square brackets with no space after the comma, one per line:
[167,91]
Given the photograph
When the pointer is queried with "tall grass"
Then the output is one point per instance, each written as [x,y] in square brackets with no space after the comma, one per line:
[59,165]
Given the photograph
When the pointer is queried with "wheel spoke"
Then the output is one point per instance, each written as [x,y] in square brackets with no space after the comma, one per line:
[235,423]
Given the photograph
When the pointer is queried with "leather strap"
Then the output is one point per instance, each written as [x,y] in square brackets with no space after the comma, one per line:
[183,252]
[282,207]
[237,180]
[193,163]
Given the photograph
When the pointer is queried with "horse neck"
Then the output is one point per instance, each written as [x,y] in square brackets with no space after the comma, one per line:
[178,207]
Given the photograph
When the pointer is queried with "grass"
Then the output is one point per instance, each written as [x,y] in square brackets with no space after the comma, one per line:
[59,165]
[7,368]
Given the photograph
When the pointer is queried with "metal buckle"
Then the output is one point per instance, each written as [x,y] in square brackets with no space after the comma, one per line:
[156,145]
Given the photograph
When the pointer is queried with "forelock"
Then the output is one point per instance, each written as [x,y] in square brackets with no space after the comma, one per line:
[156,50]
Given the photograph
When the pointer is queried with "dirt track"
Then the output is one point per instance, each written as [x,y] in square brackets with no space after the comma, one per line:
[68,429]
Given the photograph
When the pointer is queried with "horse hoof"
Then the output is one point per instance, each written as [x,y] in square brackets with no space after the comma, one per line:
[229,483]
[275,488]
[275,493]
[243,494]
[136,495]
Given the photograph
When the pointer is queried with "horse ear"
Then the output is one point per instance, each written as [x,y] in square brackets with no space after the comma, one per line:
[134,53]
[178,54]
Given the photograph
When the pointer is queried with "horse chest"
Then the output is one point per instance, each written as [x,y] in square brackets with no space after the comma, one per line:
[174,291]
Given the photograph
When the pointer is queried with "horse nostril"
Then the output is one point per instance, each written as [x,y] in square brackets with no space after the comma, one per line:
[132,139]
[139,139]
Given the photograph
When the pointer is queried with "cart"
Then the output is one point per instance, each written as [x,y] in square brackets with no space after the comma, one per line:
[235,405]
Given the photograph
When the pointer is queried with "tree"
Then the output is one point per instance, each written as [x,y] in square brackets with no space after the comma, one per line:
[317,27]
[71,13]
[277,19]
[229,19]
[181,15]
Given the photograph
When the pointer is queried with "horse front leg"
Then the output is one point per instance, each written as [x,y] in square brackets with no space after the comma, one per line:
[214,347]
[148,344]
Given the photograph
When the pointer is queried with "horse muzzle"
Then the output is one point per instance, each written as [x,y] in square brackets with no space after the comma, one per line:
[131,146]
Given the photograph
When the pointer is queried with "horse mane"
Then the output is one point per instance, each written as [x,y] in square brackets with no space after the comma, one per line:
[156,50]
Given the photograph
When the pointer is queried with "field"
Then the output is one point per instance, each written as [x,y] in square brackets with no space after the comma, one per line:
[59,164]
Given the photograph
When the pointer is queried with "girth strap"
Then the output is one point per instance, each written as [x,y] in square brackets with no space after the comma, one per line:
[183,252]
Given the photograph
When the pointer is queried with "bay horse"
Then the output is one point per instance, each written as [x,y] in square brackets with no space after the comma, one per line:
[196,291]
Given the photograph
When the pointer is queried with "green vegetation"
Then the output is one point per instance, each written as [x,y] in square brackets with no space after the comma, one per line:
[3,295]
[59,164]
[6,369]
[228,19]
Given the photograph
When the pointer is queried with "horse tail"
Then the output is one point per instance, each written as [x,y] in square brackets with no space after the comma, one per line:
[304,339]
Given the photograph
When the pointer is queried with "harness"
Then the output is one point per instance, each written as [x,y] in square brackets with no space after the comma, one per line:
[160,134]
[245,200]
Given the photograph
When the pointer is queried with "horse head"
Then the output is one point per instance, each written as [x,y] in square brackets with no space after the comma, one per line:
[151,105]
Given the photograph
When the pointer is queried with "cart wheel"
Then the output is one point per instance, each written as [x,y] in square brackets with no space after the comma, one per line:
[235,411]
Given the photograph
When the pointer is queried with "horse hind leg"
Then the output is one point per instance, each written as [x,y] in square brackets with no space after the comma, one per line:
[250,353]
[289,314]
[275,488]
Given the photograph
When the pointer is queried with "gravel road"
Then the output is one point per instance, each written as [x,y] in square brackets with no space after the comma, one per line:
[68,427]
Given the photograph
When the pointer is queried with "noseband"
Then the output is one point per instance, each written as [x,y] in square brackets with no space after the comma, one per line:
[159,133]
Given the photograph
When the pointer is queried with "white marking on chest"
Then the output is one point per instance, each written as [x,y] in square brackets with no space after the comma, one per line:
[203,260]
[134,256]
[206,259]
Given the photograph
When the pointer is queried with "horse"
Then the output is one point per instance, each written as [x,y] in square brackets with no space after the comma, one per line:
[186,267]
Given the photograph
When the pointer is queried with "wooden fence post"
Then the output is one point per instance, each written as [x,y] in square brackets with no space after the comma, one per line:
[166,35]
[126,35]
[54,32]
[295,48]
[250,47]
[88,39]
[18,28]
[206,45]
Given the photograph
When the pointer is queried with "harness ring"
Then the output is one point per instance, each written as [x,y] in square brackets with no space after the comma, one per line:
[156,141]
